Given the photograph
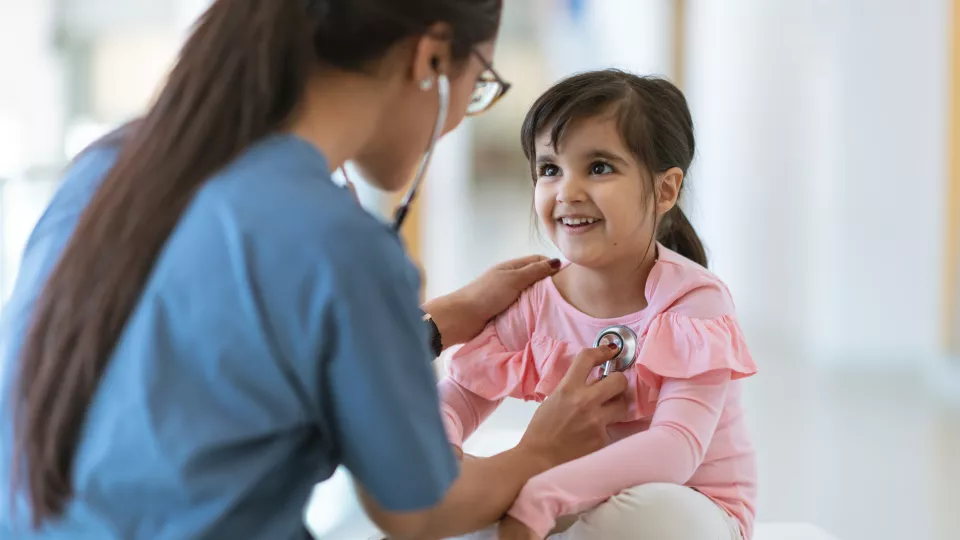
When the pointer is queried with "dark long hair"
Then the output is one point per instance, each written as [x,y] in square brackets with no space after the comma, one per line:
[654,122]
[239,77]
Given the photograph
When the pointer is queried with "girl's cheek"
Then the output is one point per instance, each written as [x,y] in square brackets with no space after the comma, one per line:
[543,206]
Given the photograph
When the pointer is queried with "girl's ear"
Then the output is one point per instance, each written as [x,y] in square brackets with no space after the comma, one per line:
[669,190]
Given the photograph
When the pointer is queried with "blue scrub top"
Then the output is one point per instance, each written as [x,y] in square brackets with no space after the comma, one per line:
[278,337]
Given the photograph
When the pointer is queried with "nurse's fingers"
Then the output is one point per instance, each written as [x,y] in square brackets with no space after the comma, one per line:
[614,410]
[537,271]
[584,363]
[609,388]
[521,262]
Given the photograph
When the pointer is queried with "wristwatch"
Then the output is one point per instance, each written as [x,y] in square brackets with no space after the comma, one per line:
[435,344]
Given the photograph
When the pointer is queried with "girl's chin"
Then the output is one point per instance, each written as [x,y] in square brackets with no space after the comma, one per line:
[583,258]
[598,257]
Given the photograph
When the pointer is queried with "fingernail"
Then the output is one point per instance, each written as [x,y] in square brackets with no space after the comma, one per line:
[612,346]
[555,264]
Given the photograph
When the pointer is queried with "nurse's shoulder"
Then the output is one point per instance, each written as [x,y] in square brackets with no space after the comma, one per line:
[280,197]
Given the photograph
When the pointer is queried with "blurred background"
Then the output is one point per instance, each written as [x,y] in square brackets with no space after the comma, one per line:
[826,186]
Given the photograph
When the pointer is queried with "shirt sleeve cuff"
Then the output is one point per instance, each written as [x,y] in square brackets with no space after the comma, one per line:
[533,513]
[452,425]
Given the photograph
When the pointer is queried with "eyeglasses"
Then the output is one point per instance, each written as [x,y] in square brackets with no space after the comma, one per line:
[488,90]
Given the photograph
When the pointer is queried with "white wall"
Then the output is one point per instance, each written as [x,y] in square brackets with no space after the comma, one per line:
[447,215]
[820,174]
[893,121]
[636,35]
[31,85]
[93,18]
[132,47]
[32,111]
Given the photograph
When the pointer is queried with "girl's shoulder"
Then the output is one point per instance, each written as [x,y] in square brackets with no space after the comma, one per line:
[532,300]
[516,324]
[678,285]
[694,329]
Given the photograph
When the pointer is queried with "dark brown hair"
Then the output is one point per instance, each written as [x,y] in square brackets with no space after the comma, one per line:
[654,122]
[239,77]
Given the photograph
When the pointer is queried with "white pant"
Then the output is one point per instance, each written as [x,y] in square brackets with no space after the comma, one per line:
[647,512]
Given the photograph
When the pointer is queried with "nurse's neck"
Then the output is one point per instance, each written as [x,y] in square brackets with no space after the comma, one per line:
[338,114]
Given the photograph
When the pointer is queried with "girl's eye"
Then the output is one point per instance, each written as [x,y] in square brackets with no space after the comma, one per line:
[549,170]
[600,168]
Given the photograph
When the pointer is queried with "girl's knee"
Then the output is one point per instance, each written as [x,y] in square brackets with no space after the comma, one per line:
[655,511]
[657,502]
[657,497]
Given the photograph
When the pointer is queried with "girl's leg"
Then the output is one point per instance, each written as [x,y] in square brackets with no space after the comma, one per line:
[655,512]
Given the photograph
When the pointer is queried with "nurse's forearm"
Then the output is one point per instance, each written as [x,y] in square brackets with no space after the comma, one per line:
[453,317]
[484,491]
[481,495]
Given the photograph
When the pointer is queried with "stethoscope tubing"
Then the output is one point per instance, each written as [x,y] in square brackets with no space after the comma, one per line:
[443,93]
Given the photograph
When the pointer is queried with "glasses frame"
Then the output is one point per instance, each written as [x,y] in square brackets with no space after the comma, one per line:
[489,75]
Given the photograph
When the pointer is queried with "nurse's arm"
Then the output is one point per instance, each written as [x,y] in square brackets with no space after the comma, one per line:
[481,495]
[570,424]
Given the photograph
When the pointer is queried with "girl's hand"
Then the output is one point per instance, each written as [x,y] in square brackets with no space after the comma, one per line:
[512,529]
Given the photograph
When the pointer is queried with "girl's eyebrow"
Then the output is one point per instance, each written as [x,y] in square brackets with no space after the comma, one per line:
[605,155]
[545,158]
[589,155]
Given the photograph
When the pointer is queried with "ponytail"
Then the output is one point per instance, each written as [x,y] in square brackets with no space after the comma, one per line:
[676,233]
[238,78]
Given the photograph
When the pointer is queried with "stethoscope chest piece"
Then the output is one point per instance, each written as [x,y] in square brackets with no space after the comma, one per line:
[625,340]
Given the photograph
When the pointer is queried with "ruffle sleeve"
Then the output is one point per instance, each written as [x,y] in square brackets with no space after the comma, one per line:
[676,346]
[485,367]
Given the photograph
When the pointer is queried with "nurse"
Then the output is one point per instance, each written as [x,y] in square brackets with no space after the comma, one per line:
[205,326]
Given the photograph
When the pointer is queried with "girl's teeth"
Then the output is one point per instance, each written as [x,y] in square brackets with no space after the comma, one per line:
[578,221]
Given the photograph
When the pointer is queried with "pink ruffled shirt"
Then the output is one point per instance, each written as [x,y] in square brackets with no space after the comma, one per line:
[686,422]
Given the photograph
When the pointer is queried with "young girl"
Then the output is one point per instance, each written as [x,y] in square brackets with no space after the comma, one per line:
[609,152]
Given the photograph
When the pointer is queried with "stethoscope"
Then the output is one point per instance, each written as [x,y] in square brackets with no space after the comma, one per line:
[625,340]
[443,94]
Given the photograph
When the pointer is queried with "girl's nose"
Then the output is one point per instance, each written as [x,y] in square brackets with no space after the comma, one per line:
[571,190]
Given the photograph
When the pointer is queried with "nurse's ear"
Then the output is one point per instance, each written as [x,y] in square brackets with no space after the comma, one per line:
[432,56]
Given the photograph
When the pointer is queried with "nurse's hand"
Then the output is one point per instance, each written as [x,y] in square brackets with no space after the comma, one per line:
[573,421]
[462,314]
